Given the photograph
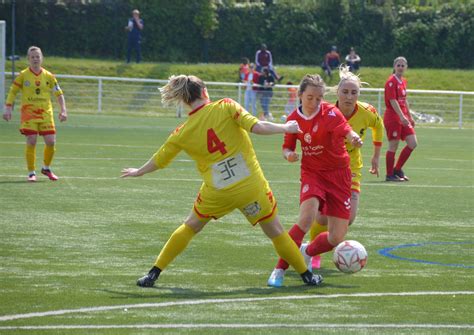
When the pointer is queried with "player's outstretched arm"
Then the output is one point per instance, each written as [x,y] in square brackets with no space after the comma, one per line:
[134,172]
[354,138]
[268,128]
[7,115]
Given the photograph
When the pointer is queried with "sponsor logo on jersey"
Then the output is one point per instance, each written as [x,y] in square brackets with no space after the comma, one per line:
[331,113]
[315,128]
[347,203]
[38,91]
[56,88]
[394,134]
[307,138]
[37,83]
[27,83]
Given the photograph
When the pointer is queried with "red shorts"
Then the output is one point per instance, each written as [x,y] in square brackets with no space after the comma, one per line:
[332,188]
[396,131]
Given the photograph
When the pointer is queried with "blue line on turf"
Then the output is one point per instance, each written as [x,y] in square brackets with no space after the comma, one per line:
[387,253]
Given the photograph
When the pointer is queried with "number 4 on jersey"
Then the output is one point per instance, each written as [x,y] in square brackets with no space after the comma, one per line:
[214,143]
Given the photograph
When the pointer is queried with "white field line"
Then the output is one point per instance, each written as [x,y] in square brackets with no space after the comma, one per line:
[249,326]
[198,180]
[232,300]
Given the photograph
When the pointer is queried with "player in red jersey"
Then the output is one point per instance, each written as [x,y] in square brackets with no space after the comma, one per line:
[398,122]
[325,171]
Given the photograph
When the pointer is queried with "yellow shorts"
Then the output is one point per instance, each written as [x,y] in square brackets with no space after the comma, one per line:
[254,200]
[34,128]
[356,179]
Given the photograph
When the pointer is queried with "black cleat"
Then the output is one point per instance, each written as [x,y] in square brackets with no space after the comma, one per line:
[394,178]
[312,279]
[400,174]
[149,279]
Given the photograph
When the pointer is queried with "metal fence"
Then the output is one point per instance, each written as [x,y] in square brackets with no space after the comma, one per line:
[91,94]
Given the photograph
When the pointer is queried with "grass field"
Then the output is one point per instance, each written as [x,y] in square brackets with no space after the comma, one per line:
[72,250]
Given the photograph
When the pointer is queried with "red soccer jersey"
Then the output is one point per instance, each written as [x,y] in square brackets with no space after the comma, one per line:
[395,89]
[322,140]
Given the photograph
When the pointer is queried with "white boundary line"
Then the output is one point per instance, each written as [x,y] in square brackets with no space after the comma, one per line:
[232,300]
[198,180]
[248,326]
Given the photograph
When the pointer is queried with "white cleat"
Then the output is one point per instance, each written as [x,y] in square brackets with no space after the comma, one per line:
[276,278]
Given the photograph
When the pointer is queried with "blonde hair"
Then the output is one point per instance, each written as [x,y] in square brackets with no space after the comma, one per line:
[311,80]
[182,88]
[399,58]
[34,48]
[346,75]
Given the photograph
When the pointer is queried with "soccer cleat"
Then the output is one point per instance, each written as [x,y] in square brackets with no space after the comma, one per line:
[48,173]
[312,279]
[307,258]
[276,278]
[32,177]
[149,279]
[316,262]
[400,174]
[394,178]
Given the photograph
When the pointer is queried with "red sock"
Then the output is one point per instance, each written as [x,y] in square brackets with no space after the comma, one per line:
[404,155]
[297,235]
[319,245]
[389,162]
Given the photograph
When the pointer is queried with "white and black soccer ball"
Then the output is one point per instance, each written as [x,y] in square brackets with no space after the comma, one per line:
[350,256]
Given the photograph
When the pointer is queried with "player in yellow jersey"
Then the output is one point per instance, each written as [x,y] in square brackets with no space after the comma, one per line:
[215,135]
[36,85]
[360,116]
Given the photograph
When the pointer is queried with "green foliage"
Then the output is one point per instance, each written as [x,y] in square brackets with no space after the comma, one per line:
[430,34]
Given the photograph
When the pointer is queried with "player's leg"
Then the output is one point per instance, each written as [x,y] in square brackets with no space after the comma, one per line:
[320,225]
[324,242]
[411,143]
[176,244]
[30,155]
[49,150]
[287,249]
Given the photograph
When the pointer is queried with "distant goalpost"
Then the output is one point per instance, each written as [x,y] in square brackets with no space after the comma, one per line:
[3,28]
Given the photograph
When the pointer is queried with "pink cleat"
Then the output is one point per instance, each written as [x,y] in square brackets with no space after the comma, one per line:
[32,177]
[49,174]
[316,262]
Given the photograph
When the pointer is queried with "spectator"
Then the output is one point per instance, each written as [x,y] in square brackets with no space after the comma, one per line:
[251,88]
[244,68]
[266,81]
[134,28]
[292,95]
[263,58]
[353,60]
[331,61]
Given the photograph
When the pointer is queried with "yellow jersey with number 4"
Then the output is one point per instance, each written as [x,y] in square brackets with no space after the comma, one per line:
[36,89]
[215,136]
[364,116]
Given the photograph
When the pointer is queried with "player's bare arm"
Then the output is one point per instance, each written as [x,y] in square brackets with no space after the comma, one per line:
[268,128]
[148,167]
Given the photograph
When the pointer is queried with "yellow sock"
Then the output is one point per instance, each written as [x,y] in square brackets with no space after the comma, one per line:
[177,242]
[316,229]
[48,154]
[288,250]
[30,153]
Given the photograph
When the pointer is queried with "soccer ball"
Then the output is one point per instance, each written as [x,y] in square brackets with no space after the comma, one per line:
[350,256]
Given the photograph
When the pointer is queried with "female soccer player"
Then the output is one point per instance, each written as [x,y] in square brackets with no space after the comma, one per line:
[360,116]
[216,136]
[36,85]
[398,122]
[325,173]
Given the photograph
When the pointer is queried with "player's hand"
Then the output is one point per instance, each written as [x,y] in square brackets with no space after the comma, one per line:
[405,121]
[7,115]
[375,167]
[292,157]
[130,172]
[292,127]
[356,141]
[63,116]
[412,122]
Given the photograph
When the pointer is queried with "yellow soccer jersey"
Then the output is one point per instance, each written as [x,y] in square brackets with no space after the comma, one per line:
[216,137]
[365,116]
[36,91]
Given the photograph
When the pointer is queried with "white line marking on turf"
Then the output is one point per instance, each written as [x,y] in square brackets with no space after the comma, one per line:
[247,326]
[198,180]
[232,300]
